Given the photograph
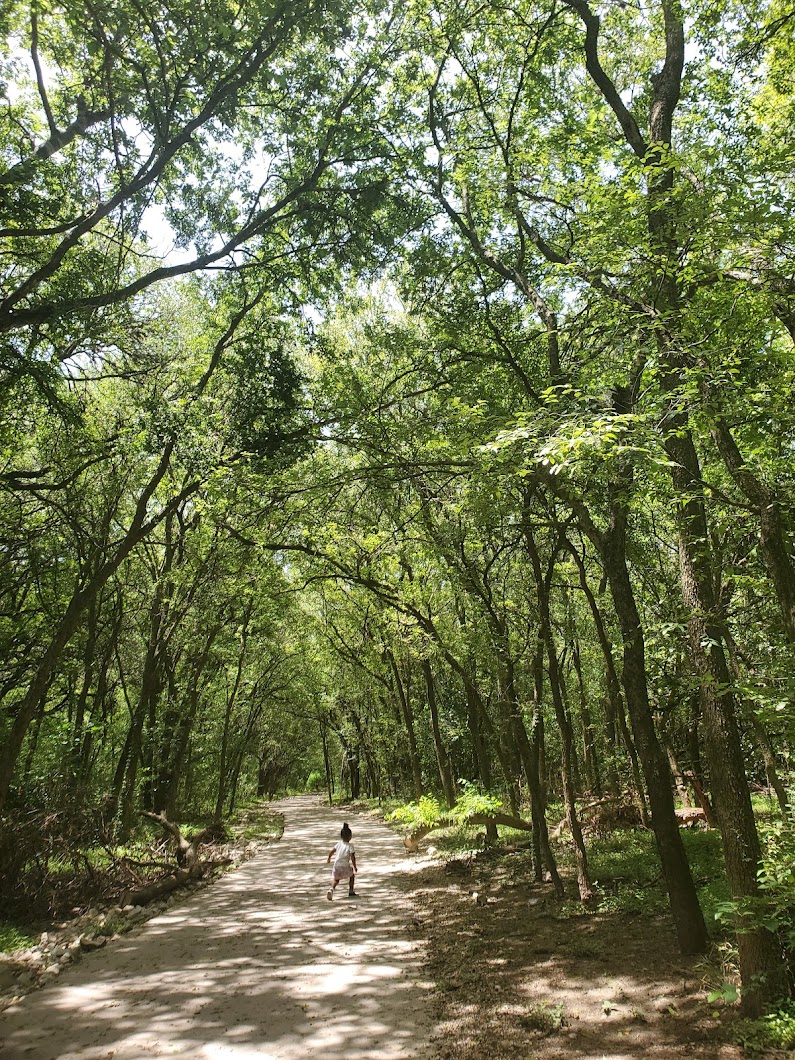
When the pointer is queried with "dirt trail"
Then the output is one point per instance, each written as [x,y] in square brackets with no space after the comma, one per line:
[258,965]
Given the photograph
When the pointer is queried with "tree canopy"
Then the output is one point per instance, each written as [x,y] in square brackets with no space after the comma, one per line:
[400,395]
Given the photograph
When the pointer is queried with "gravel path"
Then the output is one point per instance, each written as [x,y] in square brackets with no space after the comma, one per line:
[260,964]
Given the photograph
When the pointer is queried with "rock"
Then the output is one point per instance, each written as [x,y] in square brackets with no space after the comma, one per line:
[51,971]
[65,958]
[8,977]
[58,951]
[93,943]
[45,938]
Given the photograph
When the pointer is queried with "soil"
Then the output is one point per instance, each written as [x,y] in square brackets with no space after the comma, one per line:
[259,964]
[519,976]
[463,960]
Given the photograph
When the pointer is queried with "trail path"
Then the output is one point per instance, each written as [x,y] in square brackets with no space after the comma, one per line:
[260,964]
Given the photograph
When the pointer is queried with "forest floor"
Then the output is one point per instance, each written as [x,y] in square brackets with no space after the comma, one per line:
[462,958]
[519,975]
[258,964]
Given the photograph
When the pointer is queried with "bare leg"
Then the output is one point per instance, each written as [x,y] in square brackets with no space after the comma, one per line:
[350,885]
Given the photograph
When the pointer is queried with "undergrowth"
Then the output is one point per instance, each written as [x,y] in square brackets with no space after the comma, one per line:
[776,1031]
[15,937]
[57,865]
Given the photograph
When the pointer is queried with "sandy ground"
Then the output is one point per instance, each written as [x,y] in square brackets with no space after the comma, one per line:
[258,965]
[517,978]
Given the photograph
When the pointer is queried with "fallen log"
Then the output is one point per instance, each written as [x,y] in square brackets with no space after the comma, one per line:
[690,816]
[413,839]
[160,887]
[189,867]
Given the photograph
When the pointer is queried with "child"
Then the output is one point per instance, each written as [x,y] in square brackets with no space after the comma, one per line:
[344,863]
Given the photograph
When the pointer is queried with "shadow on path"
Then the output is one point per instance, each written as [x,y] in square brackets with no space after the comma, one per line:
[260,964]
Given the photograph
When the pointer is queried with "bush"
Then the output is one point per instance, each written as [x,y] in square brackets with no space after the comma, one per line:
[774,1031]
[416,814]
[315,781]
[429,810]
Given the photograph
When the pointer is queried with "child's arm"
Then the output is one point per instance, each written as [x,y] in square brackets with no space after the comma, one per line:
[353,861]
[330,855]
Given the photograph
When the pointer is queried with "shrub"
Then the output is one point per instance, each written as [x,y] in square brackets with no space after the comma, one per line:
[774,1031]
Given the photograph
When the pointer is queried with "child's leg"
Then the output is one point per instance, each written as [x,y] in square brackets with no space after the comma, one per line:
[351,880]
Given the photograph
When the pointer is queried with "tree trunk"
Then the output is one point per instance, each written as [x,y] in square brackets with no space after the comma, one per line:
[774,537]
[567,738]
[616,701]
[408,719]
[688,918]
[542,849]
[590,757]
[445,773]
[326,766]
[761,966]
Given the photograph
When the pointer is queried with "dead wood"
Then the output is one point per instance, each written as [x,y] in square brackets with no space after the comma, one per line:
[189,866]
[160,887]
[187,850]
[690,816]
[413,839]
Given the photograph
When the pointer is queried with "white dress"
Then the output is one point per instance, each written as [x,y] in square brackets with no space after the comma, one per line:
[342,869]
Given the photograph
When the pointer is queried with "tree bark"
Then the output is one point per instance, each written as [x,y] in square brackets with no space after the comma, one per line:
[567,738]
[408,720]
[442,759]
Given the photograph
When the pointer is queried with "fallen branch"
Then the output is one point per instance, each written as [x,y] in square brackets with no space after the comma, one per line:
[160,887]
[189,866]
[415,837]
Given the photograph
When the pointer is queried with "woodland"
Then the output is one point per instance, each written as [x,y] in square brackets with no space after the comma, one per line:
[397,402]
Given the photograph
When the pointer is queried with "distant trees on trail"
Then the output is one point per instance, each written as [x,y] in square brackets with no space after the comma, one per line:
[401,400]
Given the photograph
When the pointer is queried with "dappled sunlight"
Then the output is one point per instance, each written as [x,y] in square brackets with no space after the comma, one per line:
[520,977]
[259,964]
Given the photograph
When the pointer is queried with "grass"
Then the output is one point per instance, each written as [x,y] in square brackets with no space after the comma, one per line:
[15,937]
[256,824]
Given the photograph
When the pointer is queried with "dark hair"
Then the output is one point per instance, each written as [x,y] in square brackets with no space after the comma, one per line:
[345,832]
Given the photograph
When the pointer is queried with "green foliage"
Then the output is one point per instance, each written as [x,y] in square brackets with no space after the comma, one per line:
[426,811]
[14,937]
[429,810]
[316,781]
[472,800]
[777,877]
[728,993]
[544,1018]
[775,1031]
